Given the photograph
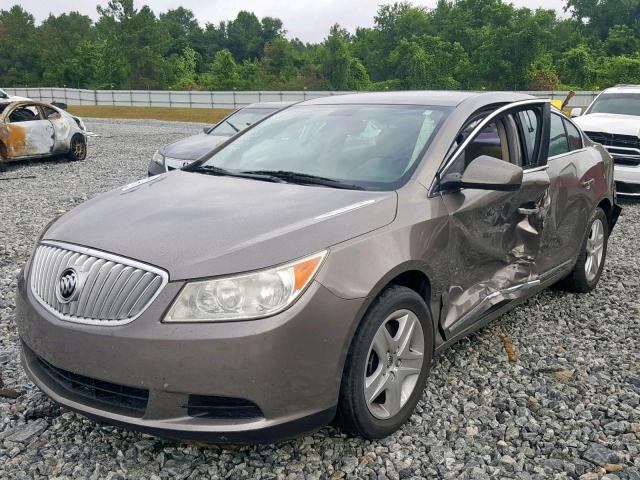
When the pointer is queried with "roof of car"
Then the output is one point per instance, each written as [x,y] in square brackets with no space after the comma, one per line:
[623,89]
[269,105]
[450,98]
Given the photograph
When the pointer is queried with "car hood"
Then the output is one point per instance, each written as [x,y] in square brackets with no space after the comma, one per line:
[195,225]
[194,147]
[610,123]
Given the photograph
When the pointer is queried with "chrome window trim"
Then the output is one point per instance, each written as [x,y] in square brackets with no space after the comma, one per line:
[483,123]
[583,149]
[541,168]
[104,256]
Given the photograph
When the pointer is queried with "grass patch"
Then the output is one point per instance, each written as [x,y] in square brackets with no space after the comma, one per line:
[198,115]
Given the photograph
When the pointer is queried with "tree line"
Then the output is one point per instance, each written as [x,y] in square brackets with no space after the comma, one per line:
[459,44]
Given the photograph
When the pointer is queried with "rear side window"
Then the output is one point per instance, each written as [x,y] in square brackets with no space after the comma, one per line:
[573,135]
[50,112]
[558,142]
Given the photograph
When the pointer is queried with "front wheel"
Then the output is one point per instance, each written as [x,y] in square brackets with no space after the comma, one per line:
[585,275]
[387,365]
[77,148]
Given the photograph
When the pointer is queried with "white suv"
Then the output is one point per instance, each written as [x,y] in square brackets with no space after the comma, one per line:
[613,119]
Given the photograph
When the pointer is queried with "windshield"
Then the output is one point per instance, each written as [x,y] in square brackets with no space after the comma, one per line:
[371,146]
[619,103]
[3,94]
[240,120]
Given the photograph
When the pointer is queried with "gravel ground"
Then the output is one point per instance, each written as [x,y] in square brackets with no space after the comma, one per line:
[567,408]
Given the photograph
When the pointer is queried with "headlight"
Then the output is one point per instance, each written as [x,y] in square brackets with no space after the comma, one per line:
[253,295]
[158,158]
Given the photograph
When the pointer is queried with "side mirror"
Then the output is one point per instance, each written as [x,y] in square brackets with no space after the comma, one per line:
[209,128]
[576,112]
[487,173]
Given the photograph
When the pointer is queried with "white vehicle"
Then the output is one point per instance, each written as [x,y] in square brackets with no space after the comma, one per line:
[4,96]
[31,129]
[613,119]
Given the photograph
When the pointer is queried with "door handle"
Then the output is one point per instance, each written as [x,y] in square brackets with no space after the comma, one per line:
[529,211]
[588,183]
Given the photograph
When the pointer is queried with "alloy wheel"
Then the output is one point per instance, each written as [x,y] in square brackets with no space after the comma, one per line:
[595,250]
[394,363]
[78,148]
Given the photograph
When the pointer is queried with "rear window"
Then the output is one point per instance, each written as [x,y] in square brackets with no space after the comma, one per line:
[575,139]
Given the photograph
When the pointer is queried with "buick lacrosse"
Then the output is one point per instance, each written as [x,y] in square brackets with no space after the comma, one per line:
[308,270]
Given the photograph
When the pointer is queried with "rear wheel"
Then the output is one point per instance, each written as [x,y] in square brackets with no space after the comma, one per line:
[588,269]
[387,365]
[3,158]
[77,148]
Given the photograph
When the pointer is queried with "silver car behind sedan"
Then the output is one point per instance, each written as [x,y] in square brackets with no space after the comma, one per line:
[179,154]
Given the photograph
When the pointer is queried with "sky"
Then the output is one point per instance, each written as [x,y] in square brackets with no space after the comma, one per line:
[309,20]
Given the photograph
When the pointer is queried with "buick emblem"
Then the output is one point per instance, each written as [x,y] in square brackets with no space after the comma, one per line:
[68,286]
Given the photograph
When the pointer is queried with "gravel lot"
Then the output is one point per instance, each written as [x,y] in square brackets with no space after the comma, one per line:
[566,407]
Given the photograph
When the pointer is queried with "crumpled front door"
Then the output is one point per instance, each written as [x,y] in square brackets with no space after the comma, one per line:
[494,242]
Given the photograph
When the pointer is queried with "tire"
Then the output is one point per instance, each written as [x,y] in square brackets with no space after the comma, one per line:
[585,275]
[3,160]
[367,419]
[77,148]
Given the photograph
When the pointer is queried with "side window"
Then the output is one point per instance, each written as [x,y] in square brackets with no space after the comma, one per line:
[529,125]
[50,112]
[25,113]
[491,141]
[575,139]
[558,142]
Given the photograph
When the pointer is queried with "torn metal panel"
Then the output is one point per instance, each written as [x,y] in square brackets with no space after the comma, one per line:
[494,243]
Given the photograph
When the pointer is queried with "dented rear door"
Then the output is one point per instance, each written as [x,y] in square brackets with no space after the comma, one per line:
[495,236]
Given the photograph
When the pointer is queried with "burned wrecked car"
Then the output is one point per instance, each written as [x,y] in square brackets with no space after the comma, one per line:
[311,267]
[31,129]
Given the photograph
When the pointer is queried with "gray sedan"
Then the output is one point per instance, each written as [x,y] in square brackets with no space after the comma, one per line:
[181,153]
[312,267]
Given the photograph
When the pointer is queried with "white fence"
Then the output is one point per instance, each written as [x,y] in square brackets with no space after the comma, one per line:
[198,99]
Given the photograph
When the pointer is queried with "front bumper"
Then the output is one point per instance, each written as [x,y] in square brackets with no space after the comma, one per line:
[627,180]
[288,365]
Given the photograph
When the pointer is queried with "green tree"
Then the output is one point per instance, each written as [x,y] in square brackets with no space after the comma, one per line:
[223,73]
[185,70]
[577,67]
[18,58]
[621,40]
[542,74]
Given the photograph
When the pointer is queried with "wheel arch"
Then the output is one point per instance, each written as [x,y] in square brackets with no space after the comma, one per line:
[413,275]
[611,211]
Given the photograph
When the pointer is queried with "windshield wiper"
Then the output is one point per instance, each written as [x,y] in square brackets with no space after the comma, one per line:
[304,179]
[222,172]
[232,126]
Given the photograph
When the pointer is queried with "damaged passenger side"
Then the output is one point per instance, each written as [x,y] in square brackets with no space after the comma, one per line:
[495,219]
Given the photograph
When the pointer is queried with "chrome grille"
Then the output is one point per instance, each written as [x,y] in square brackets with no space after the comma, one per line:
[625,149]
[112,290]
